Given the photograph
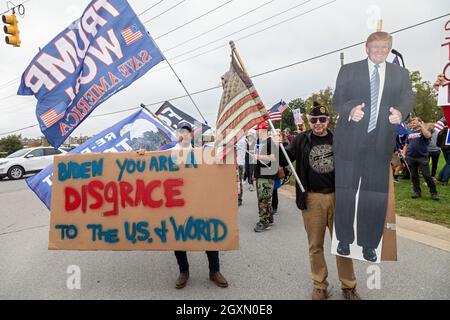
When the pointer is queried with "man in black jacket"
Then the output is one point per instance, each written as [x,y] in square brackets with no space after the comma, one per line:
[313,153]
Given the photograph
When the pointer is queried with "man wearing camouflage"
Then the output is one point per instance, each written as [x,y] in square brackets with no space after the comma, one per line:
[266,170]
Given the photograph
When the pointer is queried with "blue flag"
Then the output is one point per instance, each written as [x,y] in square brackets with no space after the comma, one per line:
[98,55]
[138,131]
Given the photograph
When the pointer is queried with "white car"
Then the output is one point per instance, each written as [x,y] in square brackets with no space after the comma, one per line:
[28,160]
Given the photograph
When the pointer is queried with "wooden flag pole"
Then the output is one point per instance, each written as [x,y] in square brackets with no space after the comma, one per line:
[274,132]
[380,25]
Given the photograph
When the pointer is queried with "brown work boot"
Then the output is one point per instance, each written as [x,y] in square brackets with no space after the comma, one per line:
[351,294]
[182,280]
[319,294]
[218,279]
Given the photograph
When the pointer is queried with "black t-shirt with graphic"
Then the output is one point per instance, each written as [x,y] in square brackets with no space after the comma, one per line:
[321,163]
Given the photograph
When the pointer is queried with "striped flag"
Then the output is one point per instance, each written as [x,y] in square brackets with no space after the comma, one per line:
[131,34]
[440,125]
[276,113]
[50,117]
[240,109]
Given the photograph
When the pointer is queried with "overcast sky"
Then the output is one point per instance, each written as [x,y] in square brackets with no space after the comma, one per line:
[335,25]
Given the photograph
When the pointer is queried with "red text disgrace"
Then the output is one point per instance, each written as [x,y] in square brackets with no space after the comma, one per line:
[96,195]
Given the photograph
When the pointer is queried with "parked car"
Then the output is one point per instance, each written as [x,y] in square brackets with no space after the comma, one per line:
[28,160]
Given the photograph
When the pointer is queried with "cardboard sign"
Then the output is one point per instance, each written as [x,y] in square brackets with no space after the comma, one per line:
[444,91]
[164,200]
[389,246]
[297,117]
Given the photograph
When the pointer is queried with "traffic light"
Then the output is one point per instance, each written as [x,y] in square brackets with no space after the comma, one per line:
[12,29]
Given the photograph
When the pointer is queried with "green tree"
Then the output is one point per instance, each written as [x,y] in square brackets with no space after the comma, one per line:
[10,144]
[323,97]
[425,102]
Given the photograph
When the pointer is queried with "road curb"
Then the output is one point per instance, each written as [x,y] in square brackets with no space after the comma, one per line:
[427,233]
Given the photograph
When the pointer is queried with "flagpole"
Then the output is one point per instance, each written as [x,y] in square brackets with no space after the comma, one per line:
[143,106]
[274,132]
[181,82]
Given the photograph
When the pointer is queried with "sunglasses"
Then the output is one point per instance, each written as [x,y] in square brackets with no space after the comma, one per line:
[321,119]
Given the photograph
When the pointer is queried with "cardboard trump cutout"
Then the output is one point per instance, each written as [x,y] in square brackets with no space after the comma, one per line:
[372,96]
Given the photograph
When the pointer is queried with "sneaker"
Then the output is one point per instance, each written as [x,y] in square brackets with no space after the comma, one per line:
[434,196]
[259,227]
[271,222]
[274,211]
[351,294]
[319,294]
[251,188]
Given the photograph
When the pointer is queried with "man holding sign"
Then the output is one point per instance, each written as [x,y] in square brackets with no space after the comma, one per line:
[185,137]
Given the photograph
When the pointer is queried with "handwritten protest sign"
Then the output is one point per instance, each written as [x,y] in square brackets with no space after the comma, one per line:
[166,200]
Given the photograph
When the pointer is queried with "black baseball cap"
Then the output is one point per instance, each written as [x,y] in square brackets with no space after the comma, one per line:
[186,126]
[319,110]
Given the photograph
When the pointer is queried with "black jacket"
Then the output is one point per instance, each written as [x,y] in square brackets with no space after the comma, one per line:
[298,151]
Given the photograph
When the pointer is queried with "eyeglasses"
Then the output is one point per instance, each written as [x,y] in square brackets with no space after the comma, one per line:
[315,119]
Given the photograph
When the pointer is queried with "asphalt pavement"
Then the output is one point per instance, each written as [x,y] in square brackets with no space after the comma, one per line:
[270,265]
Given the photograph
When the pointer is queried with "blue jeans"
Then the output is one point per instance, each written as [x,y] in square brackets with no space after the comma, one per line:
[445,172]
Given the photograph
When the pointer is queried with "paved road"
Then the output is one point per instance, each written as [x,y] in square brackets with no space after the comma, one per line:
[271,265]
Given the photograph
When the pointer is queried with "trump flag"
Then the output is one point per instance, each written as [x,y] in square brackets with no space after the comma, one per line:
[138,131]
[98,55]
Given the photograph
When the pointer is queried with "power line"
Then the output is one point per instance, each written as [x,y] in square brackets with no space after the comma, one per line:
[254,76]
[219,26]
[193,20]
[148,9]
[18,105]
[165,11]
[15,7]
[9,83]
[347,47]
[243,29]
[21,129]
[245,37]
[7,97]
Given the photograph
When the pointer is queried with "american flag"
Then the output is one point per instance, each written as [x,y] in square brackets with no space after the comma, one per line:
[50,117]
[240,109]
[276,113]
[440,125]
[131,34]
